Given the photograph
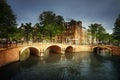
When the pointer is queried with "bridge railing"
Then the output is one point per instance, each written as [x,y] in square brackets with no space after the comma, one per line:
[7,45]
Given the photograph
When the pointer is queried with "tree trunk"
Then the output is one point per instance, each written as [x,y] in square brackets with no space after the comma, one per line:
[50,37]
[92,40]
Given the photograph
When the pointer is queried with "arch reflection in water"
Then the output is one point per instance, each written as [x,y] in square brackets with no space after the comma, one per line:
[102,51]
[69,55]
[69,49]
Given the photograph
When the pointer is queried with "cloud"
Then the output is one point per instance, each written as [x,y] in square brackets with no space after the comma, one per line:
[88,11]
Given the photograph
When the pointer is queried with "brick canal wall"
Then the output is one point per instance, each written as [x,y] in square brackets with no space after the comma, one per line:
[9,56]
[115,50]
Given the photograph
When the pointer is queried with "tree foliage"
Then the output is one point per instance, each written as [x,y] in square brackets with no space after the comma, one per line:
[7,20]
[97,32]
[116,29]
[51,23]
[36,35]
[26,29]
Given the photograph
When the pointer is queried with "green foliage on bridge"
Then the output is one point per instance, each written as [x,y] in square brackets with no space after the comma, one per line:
[25,54]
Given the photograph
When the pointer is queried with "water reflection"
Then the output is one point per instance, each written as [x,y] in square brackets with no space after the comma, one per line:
[69,66]
[69,55]
[53,57]
[102,51]
[30,62]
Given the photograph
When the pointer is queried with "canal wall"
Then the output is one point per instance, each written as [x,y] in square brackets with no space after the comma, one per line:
[9,56]
[115,50]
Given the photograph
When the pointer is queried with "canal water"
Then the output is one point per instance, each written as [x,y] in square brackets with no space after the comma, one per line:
[70,66]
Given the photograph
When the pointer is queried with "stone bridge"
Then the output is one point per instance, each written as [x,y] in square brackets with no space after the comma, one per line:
[22,52]
[41,49]
[114,50]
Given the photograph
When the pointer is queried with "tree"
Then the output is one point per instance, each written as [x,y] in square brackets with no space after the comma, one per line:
[101,33]
[7,20]
[27,29]
[116,29]
[108,38]
[93,30]
[36,32]
[97,32]
[52,25]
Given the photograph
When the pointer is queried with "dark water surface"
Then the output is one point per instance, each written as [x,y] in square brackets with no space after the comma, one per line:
[71,66]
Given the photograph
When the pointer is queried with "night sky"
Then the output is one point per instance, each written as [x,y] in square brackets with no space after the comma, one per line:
[89,12]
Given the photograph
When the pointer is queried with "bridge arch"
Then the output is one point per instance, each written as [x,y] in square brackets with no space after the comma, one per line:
[69,49]
[53,49]
[102,50]
[26,51]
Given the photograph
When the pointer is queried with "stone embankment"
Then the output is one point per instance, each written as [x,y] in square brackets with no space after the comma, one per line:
[115,50]
[9,55]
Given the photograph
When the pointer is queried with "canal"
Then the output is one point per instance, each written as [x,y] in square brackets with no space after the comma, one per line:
[70,66]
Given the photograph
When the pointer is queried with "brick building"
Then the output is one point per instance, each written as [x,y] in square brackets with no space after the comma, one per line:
[74,33]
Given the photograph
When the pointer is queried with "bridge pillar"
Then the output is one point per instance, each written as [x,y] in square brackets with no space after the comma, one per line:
[63,50]
[41,52]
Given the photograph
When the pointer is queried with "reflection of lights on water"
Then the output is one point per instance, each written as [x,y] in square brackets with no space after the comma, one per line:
[44,62]
[62,57]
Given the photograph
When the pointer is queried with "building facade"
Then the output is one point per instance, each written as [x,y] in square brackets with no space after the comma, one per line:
[74,33]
